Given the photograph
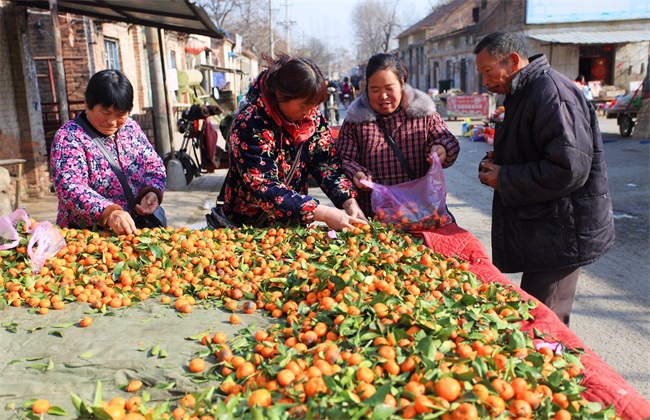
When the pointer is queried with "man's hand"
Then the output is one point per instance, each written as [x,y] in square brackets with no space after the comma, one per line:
[358,177]
[148,204]
[488,172]
[121,222]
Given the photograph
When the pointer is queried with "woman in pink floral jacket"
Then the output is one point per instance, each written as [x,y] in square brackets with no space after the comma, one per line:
[266,138]
[88,190]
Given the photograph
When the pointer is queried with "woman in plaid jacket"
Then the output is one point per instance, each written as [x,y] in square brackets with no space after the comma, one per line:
[407,114]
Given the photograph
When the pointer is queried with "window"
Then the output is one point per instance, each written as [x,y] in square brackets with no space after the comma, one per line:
[172,59]
[423,61]
[436,72]
[112,54]
[483,4]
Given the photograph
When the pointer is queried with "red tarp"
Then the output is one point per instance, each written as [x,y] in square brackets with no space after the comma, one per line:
[602,382]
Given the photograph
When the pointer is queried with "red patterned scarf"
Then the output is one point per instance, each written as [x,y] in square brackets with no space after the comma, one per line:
[300,131]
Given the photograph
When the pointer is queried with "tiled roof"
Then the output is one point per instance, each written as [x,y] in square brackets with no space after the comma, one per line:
[437,15]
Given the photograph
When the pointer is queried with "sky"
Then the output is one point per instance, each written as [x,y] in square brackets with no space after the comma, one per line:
[330,21]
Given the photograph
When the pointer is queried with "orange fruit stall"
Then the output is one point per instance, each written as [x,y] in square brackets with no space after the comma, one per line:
[287,323]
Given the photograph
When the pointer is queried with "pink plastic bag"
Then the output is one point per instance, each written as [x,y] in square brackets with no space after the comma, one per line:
[9,237]
[414,205]
[48,240]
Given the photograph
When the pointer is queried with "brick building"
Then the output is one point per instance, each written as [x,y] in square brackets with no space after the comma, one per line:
[30,116]
[609,47]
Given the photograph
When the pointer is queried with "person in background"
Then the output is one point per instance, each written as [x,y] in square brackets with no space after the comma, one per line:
[89,192]
[551,211]
[266,138]
[407,114]
[347,89]
[582,84]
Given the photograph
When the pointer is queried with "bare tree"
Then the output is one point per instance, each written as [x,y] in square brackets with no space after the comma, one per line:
[375,25]
[318,51]
[220,10]
[249,18]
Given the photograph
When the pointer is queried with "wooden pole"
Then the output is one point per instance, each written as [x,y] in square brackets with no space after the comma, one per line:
[61,91]
[158,103]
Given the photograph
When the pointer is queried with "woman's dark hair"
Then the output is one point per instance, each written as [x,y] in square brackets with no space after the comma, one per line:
[109,88]
[289,78]
[386,61]
[502,44]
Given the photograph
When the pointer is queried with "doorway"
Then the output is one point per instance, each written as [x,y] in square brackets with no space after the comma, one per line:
[463,75]
[596,63]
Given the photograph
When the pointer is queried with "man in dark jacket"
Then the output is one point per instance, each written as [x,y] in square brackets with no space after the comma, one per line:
[551,211]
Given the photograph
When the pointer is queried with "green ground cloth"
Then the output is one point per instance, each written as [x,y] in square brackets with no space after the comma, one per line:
[106,351]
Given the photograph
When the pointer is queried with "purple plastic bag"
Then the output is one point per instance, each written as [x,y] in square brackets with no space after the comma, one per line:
[414,205]
[48,240]
[8,230]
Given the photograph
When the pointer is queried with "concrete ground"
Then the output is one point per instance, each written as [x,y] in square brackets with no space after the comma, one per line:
[610,312]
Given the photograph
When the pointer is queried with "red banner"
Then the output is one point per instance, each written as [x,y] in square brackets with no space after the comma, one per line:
[468,106]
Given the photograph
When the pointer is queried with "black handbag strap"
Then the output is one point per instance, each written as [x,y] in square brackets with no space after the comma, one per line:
[398,152]
[288,179]
[111,161]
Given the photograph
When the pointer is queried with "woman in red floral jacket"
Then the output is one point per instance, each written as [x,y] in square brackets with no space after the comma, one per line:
[280,124]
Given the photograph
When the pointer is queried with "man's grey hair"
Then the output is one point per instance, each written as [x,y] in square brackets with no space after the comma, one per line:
[502,44]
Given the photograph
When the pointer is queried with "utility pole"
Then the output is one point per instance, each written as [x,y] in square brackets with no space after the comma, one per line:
[287,26]
[271,27]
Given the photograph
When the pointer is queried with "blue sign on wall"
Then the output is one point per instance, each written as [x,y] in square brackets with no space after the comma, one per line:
[218,79]
[562,11]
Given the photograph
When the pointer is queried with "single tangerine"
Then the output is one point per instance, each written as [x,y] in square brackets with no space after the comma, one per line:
[40,406]
[448,388]
[260,397]
[197,365]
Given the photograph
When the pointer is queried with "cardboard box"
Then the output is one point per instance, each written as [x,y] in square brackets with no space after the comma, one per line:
[611,92]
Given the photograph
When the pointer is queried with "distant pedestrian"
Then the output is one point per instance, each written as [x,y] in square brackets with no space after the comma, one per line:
[582,84]
[551,211]
[347,89]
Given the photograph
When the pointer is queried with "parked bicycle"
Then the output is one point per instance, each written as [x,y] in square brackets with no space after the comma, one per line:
[199,152]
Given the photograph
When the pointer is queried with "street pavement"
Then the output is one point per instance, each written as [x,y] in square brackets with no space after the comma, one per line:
[610,312]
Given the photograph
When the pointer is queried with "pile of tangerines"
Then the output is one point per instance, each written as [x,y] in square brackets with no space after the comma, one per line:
[408,216]
[369,323]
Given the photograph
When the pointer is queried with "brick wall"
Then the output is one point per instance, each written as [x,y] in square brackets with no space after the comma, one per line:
[74,48]
[130,47]
[145,121]
[21,128]
[9,129]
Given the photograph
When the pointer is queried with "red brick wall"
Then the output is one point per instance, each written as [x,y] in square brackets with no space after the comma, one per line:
[74,45]
[21,135]
[145,120]
[9,122]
